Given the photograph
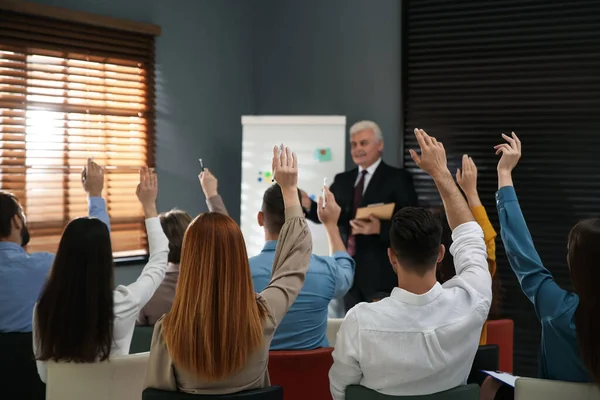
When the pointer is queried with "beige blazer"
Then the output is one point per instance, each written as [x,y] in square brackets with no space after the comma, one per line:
[292,256]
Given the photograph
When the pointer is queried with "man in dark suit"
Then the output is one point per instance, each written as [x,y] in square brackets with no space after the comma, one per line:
[373,181]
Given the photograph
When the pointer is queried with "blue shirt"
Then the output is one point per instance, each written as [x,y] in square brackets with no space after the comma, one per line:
[304,326]
[23,275]
[555,307]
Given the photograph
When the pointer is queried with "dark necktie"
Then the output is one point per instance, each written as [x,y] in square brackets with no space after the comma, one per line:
[358,194]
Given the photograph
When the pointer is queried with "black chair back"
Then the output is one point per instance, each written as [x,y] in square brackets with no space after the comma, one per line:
[268,393]
[19,378]
[486,358]
[141,340]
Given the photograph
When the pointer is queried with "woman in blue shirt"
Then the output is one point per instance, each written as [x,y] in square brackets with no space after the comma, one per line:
[570,346]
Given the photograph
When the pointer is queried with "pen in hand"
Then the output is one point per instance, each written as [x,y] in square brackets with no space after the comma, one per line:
[324,197]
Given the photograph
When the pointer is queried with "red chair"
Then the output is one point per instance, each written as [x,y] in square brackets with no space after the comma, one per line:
[303,374]
[501,333]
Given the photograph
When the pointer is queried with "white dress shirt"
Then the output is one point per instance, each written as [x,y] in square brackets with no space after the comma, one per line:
[410,344]
[129,300]
[370,171]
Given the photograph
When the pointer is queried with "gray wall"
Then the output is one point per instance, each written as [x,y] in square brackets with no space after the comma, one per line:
[331,57]
[220,59]
[204,85]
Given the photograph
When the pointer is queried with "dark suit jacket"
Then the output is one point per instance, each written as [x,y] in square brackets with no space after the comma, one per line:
[373,272]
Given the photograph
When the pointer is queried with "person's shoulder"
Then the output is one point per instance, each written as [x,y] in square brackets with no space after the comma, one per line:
[42,259]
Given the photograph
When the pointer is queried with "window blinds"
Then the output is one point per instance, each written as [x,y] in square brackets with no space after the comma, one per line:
[69,91]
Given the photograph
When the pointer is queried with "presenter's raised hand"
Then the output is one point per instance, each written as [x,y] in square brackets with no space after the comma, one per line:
[92,179]
[285,168]
[209,183]
[329,214]
[147,191]
[433,155]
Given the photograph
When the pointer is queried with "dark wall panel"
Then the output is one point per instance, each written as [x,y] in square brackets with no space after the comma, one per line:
[475,69]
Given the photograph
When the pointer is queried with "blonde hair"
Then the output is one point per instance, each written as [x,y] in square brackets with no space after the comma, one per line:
[215,323]
[364,125]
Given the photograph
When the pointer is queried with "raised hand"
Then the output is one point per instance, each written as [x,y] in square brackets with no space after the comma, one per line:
[147,191]
[209,183]
[92,179]
[467,177]
[285,168]
[329,214]
[467,180]
[511,153]
[433,156]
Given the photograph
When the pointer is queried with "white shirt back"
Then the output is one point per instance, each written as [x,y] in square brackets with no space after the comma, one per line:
[410,344]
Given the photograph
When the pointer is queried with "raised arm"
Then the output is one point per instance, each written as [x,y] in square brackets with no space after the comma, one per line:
[342,264]
[92,180]
[468,247]
[294,245]
[210,186]
[154,272]
[467,180]
[536,281]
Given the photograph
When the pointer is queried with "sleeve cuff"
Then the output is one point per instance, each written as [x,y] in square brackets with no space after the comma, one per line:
[468,228]
[214,200]
[294,212]
[97,201]
[341,254]
[505,194]
[479,213]
[153,224]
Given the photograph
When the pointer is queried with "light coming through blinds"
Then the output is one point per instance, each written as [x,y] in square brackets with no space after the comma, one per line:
[59,106]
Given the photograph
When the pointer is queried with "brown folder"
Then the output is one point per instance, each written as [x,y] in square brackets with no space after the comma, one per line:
[380,210]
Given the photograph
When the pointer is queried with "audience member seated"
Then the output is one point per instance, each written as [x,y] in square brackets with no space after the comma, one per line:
[174,223]
[304,326]
[570,325]
[216,338]
[22,275]
[423,338]
[467,180]
[80,317]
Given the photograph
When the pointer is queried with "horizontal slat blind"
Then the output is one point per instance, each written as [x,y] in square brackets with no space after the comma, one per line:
[69,91]
[477,68]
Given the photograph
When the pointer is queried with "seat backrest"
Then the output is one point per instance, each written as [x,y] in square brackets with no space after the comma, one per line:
[141,340]
[120,378]
[501,332]
[268,393]
[333,326]
[17,364]
[467,392]
[528,388]
[486,358]
[303,374]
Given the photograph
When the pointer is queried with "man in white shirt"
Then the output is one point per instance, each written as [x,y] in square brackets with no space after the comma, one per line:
[423,338]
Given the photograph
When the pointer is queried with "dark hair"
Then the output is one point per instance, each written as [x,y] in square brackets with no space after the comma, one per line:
[583,257]
[9,207]
[274,209]
[75,313]
[174,223]
[415,237]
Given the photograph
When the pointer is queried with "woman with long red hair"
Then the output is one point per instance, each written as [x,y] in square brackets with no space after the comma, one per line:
[216,338]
